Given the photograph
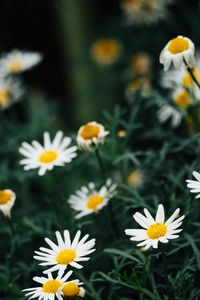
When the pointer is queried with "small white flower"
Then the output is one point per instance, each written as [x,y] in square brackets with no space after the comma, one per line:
[194,185]
[7,200]
[88,200]
[169,112]
[10,92]
[18,61]
[65,252]
[178,51]
[51,288]
[90,136]
[55,153]
[155,230]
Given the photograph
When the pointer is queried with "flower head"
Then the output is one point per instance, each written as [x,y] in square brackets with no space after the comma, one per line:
[90,136]
[10,92]
[65,252]
[135,178]
[182,98]
[169,112]
[89,200]
[106,51]
[55,153]
[179,51]
[140,64]
[155,230]
[7,200]
[55,288]
[18,61]
[194,185]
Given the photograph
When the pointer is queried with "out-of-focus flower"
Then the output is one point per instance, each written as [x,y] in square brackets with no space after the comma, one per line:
[7,200]
[155,230]
[55,153]
[135,178]
[143,11]
[18,61]
[89,200]
[169,112]
[121,134]
[106,51]
[142,84]
[90,136]
[182,98]
[65,253]
[10,92]
[140,64]
[194,185]
[179,52]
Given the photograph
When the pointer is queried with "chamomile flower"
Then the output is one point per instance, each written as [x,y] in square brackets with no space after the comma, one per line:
[135,178]
[51,288]
[194,185]
[167,112]
[18,61]
[182,98]
[10,92]
[90,200]
[155,230]
[90,136]
[7,200]
[65,252]
[143,11]
[106,51]
[178,51]
[55,153]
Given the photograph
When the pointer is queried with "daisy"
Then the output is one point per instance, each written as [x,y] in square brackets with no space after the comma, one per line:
[143,11]
[65,252]
[50,288]
[169,112]
[106,51]
[155,230]
[179,51]
[10,92]
[90,136]
[18,61]
[55,153]
[89,200]
[194,185]
[182,98]
[136,178]
[7,200]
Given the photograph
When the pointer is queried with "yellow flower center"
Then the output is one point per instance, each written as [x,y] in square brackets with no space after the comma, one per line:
[178,45]
[89,131]
[157,230]
[48,156]
[66,256]
[71,289]
[51,286]
[135,178]
[183,99]
[4,197]
[106,50]
[94,201]
[15,66]
[4,97]
[187,79]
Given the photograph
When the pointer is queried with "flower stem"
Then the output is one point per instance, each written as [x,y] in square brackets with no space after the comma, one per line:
[101,165]
[165,270]
[190,71]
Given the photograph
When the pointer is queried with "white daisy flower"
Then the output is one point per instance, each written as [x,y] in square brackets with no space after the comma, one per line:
[178,51]
[89,200]
[155,230]
[52,288]
[55,153]
[18,61]
[65,252]
[90,136]
[7,200]
[10,92]
[194,185]
[169,112]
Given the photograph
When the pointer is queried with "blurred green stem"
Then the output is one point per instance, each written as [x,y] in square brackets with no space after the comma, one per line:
[101,165]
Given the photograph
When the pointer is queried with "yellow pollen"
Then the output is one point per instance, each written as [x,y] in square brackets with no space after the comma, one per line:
[187,79]
[178,45]
[4,197]
[15,66]
[4,97]
[183,99]
[51,286]
[66,256]
[71,289]
[157,230]
[48,156]
[94,201]
[89,131]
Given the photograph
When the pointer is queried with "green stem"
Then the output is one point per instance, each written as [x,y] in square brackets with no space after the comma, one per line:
[101,165]
[165,270]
